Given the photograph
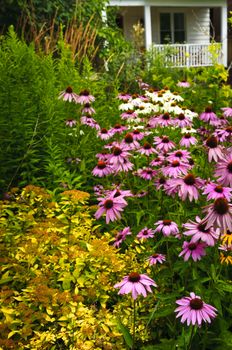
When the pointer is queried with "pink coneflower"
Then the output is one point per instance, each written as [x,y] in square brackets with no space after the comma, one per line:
[129,142]
[118,155]
[87,120]
[227,112]
[163,143]
[124,166]
[158,161]
[208,116]
[145,233]
[175,169]
[119,192]
[71,122]
[118,129]
[187,187]
[164,120]
[138,135]
[182,121]
[224,134]
[214,191]
[156,258]
[129,114]
[68,95]
[194,310]
[121,236]
[188,140]
[111,206]
[195,250]
[146,173]
[167,227]
[214,150]
[184,84]
[198,232]
[224,170]
[219,214]
[104,134]
[180,154]
[88,109]
[136,284]
[102,169]
[85,97]
[146,149]
[124,96]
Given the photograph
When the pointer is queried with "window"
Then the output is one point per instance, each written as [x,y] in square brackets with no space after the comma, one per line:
[172,28]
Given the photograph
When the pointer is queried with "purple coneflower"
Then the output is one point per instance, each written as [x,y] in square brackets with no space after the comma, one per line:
[111,206]
[124,96]
[195,250]
[188,187]
[214,191]
[136,284]
[182,121]
[208,115]
[119,192]
[180,154]
[85,97]
[198,232]
[88,109]
[147,149]
[102,169]
[164,120]
[118,129]
[146,173]
[138,135]
[194,310]
[146,233]
[167,227]
[156,258]
[227,112]
[104,134]
[158,161]
[188,140]
[68,95]
[163,143]
[224,134]
[130,114]
[219,214]
[121,236]
[175,169]
[214,150]
[184,84]
[224,170]
[71,122]
[129,142]
[118,155]
[87,120]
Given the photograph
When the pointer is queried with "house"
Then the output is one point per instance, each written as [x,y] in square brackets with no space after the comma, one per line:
[184,25]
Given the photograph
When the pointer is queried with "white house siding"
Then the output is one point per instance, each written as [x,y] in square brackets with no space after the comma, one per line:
[197,22]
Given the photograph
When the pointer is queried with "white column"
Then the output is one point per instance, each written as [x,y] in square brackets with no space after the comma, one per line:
[148,31]
[224,33]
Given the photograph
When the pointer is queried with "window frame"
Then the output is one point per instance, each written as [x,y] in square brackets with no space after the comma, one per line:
[172,26]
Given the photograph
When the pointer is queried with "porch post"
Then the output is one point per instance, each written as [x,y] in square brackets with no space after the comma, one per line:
[147,20]
[224,35]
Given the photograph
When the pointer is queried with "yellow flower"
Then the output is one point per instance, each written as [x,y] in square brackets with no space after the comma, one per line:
[225,259]
[227,238]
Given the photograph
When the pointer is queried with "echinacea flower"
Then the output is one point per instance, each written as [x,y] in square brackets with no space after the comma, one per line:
[71,122]
[91,122]
[156,258]
[208,115]
[227,111]
[167,227]
[129,142]
[121,236]
[214,191]
[219,214]
[182,121]
[164,120]
[124,96]
[146,149]
[146,233]
[84,97]
[163,143]
[68,95]
[188,140]
[183,83]
[146,173]
[224,170]
[187,186]
[199,232]
[118,129]
[102,169]
[111,206]
[175,168]
[180,154]
[88,109]
[224,134]
[194,310]
[195,250]
[104,134]
[214,150]
[136,284]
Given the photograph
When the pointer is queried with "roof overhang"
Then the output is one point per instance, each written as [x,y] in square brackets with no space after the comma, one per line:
[169,3]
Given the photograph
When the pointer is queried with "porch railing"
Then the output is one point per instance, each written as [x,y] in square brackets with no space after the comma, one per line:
[189,55]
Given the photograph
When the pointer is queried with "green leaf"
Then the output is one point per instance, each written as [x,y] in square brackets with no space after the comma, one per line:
[126,333]
[227,287]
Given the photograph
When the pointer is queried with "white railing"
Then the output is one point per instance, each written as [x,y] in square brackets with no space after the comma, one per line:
[189,55]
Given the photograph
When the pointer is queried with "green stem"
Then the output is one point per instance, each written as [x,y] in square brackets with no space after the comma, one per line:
[134,319]
[191,339]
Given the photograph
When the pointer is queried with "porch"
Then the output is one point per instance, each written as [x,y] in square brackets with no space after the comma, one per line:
[185,27]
